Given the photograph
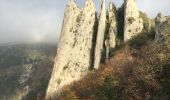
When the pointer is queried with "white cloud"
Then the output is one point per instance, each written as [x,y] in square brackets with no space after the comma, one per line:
[27,22]
[152,7]
[31,20]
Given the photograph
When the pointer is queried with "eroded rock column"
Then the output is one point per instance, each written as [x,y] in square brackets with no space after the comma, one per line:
[159,22]
[100,36]
[74,49]
[113,25]
[133,24]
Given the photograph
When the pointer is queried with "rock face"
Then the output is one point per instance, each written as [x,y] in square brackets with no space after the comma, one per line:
[100,36]
[73,57]
[113,25]
[133,24]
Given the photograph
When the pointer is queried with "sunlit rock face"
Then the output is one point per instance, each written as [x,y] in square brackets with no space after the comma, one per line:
[113,25]
[100,36]
[73,57]
[133,25]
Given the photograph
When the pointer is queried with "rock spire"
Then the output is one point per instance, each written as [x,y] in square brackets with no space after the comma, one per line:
[133,24]
[113,25]
[100,36]
[159,22]
[73,57]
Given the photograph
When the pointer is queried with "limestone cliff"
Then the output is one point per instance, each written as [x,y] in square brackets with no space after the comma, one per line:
[100,36]
[113,25]
[75,46]
[133,24]
[81,44]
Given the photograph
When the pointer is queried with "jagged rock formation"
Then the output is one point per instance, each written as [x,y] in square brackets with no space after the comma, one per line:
[166,32]
[100,36]
[75,46]
[133,24]
[162,29]
[159,22]
[113,25]
[81,45]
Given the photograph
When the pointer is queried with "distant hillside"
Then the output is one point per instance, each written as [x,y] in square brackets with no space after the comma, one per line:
[25,70]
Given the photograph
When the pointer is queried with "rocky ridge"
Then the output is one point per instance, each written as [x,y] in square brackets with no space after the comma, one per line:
[113,25]
[82,41]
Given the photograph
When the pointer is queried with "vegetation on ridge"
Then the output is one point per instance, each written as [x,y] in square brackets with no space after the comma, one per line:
[138,71]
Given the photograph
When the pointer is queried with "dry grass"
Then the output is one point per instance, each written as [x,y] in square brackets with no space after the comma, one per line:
[131,74]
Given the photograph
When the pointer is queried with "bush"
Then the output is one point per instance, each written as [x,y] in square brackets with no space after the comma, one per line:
[138,41]
[108,90]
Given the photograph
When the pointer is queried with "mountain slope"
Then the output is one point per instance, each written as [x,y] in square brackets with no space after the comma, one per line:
[25,70]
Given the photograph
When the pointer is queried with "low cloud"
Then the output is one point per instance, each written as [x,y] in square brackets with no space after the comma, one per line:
[29,21]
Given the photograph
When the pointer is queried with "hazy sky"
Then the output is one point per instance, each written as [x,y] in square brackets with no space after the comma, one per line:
[41,20]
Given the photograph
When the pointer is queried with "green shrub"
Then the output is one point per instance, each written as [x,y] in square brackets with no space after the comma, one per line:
[139,40]
[107,91]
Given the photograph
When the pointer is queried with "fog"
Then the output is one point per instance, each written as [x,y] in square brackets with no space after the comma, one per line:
[41,20]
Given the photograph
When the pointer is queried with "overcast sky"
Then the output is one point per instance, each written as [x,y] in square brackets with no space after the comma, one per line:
[41,20]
